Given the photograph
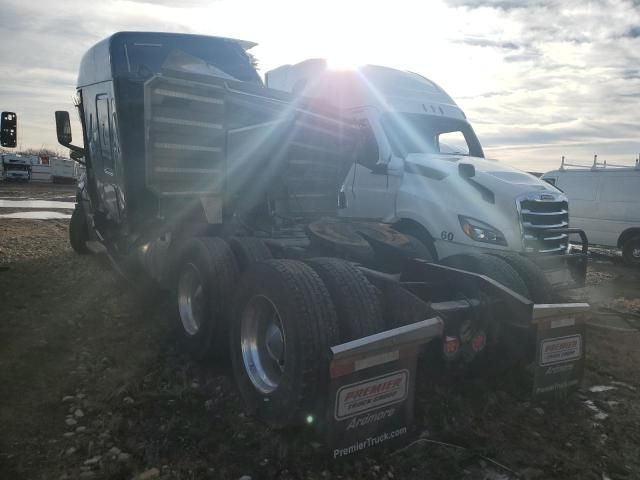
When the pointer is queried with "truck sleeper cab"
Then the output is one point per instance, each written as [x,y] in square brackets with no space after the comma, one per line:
[110,100]
[424,170]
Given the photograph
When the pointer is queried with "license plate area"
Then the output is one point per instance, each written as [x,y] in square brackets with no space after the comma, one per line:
[560,349]
[372,387]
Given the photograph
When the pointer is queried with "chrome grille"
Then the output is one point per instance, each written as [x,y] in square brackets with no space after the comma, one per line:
[538,213]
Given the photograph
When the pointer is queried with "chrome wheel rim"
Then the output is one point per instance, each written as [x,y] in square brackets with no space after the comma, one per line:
[263,344]
[191,299]
[635,253]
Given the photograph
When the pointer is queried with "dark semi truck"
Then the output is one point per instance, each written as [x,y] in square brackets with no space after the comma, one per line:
[225,192]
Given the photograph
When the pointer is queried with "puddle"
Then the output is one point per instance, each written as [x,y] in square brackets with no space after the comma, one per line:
[35,215]
[35,204]
[598,414]
[625,385]
[601,388]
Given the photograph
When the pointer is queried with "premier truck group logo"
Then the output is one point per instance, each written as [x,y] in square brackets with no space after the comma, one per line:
[562,349]
[372,394]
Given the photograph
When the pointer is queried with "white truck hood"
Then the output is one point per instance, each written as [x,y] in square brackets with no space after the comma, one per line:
[491,195]
[497,177]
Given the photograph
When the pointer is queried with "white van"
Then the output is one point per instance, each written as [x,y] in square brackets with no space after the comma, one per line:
[605,203]
[424,169]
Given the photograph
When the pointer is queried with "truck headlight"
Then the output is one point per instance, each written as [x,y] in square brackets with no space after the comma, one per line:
[481,232]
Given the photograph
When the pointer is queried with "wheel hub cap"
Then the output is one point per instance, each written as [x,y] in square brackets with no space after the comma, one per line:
[275,343]
[263,344]
[191,299]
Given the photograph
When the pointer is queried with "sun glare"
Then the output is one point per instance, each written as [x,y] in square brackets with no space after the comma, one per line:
[343,61]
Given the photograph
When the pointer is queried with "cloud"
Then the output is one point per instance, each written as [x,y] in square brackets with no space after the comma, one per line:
[537,79]
[523,57]
[41,52]
[174,3]
[571,87]
[506,5]
[485,42]
[633,32]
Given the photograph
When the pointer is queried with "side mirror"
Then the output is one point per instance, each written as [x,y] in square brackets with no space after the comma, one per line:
[63,128]
[9,129]
[466,170]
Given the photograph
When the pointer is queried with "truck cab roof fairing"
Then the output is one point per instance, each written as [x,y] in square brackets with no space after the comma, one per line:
[368,85]
[109,58]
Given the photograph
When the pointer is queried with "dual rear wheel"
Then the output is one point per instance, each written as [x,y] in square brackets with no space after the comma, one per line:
[278,318]
[287,315]
[279,324]
[206,274]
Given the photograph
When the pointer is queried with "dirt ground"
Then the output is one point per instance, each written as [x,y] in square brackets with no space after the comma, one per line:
[92,386]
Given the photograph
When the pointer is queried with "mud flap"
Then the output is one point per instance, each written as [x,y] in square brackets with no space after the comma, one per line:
[372,388]
[560,348]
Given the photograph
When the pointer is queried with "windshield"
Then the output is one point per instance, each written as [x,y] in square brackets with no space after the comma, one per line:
[418,133]
[144,58]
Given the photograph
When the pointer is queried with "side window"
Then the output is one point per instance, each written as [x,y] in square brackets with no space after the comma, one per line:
[550,180]
[103,118]
[91,134]
[115,141]
[453,142]
[367,154]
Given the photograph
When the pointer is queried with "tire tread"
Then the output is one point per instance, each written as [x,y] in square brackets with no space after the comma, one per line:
[356,302]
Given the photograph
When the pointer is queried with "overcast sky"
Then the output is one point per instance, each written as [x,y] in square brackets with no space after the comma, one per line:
[537,79]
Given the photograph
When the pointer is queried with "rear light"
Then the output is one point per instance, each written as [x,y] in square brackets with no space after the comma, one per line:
[451,347]
[478,342]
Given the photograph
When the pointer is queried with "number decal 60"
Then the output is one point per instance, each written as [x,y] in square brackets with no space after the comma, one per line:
[448,236]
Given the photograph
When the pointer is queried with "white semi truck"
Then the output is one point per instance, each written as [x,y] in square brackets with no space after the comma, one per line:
[423,170]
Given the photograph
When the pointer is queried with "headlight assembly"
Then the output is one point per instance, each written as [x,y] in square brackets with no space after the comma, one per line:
[481,232]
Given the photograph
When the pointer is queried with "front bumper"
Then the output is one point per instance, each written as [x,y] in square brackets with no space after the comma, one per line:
[568,270]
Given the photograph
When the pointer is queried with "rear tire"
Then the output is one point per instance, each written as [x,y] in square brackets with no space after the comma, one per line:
[206,276]
[421,235]
[539,287]
[248,250]
[284,323]
[332,237]
[79,231]
[631,251]
[356,302]
[418,249]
